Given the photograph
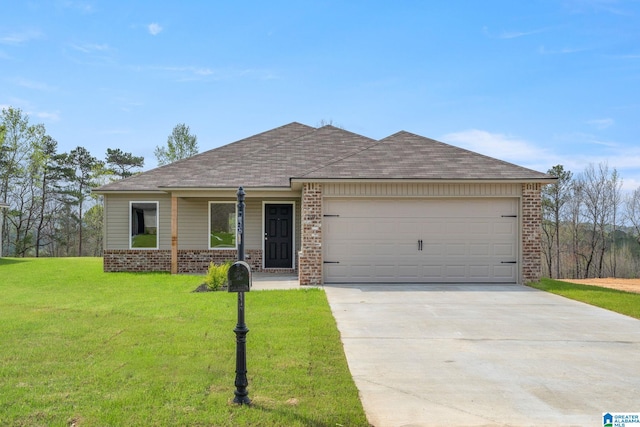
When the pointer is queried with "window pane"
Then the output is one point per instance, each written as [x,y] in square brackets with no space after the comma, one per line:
[223,225]
[144,225]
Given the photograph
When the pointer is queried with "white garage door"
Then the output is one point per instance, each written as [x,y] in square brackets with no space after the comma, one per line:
[421,241]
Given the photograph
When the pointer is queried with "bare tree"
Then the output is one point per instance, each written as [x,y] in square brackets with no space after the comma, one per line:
[573,220]
[632,215]
[598,212]
[554,197]
[614,196]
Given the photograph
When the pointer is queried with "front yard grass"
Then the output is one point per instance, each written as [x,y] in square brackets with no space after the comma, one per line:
[86,348]
[627,303]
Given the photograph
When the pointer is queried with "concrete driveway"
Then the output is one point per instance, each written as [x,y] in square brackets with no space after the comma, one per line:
[484,355]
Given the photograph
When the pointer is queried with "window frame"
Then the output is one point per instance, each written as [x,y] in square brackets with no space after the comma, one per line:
[235,207]
[157,224]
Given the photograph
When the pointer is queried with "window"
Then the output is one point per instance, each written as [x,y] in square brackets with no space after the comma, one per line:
[222,225]
[143,217]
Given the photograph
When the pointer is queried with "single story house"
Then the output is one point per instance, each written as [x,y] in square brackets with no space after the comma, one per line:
[335,207]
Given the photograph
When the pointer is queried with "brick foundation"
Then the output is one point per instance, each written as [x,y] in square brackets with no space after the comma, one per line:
[134,260]
[531,232]
[189,261]
[310,262]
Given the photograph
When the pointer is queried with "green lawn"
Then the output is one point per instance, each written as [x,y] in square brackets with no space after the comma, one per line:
[619,301]
[87,348]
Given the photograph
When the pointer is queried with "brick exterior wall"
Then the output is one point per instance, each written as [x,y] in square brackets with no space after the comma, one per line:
[197,261]
[136,260]
[189,261]
[310,258]
[531,232]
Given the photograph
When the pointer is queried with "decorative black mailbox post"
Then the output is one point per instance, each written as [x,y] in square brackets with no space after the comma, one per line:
[239,278]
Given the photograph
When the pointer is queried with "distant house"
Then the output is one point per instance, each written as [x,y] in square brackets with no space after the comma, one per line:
[334,206]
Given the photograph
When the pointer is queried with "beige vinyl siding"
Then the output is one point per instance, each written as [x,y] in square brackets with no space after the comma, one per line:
[117,218]
[193,222]
[421,190]
[253,224]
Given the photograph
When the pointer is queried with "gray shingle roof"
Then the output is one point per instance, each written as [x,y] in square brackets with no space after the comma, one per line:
[273,158]
[408,156]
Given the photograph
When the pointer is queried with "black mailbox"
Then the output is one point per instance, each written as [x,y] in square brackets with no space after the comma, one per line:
[239,277]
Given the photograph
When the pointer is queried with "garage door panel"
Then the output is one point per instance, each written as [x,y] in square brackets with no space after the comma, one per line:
[455,250]
[360,271]
[433,272]
[456,271]
[430,240]
[505,228]
[384,248]
[410,272]
[479,228]
[505,250]
[361,249]
[506,271]
[406,250]
[479,272]
[480,249]
[385,272]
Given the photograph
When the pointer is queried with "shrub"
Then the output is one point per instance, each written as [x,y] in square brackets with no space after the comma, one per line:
[216,276]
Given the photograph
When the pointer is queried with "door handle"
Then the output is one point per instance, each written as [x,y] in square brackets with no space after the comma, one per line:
[419,245]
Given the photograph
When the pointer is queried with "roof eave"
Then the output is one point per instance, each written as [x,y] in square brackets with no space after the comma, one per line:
[102,192]
[233,188]
[550,180]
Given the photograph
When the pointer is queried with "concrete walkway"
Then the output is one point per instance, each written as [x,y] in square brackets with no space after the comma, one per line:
[485,355]
[273,281]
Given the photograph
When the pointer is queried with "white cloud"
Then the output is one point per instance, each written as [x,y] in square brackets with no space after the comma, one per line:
[82,6]
[516,34]
[584,138]
[496,145]
[154,29]
[596,6]
[512,34]
[91,47]
[567,50]
[195,73]
[30,84]
[46,115]
[18,38]
[601,123]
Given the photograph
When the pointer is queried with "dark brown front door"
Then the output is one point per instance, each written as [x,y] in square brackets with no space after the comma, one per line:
[278,236]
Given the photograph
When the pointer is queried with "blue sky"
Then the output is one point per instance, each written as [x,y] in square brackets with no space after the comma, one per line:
[536,83]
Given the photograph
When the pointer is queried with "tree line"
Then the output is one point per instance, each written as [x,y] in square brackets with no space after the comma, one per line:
[50,210]
[590,227]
